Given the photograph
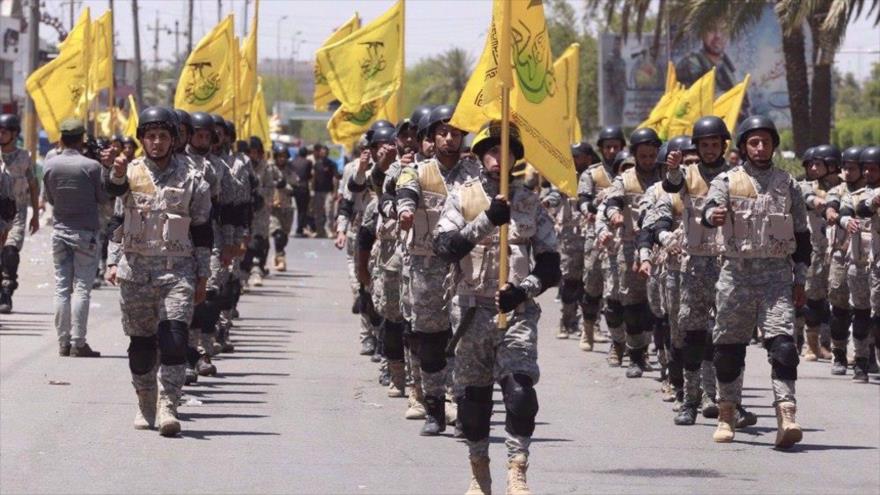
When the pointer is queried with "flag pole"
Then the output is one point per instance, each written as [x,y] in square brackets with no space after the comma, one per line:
[111,93]
[402,58]
[505,77]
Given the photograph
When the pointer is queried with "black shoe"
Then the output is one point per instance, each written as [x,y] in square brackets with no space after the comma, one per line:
[64,350]
[435,417]
[873,368]
[384,377]
[634,370]
[687,415]
[710,409]
[636,363]
[356,307]
[5,302]
[839,364]
[190,376]
[84,351]
[368,347]
[860,370]
[745,418]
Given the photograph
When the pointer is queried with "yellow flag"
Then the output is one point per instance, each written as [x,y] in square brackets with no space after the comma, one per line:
[695,102]
[663,110]
[59,87]
[257,123]
[566,67]
[323,96]
[101,66]
[728,105]
[131,124]
[248,72]
[207,80]
[346,127]
[538,101]
[367,64]
[671,78]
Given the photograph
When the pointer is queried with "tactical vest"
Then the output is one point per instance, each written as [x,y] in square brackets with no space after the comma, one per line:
[601,181]
[157,216]
[762,225]
[633,192]
[17,164]
[480,269]
[861,245]
[699,240]
[838,237]
[816,220]
[427,213]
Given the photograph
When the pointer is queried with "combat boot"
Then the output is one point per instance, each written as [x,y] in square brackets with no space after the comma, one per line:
[860,370]
[615,354]
[788,431]
[190,375]
[838,366]
[169,426]
[811,351]
[636,359]
[587,337]
[205,367]
[280,263]
[824,352]
[562,333]
[450,408]
[5,302]
[873,368]
[679,400]
[256,278]
[709,407]
[435,416]
[146,414]
[745,418]
[687,415]
[416,409]
[368,346]
[396,388]
[481,477]
[724,433]
[516,476]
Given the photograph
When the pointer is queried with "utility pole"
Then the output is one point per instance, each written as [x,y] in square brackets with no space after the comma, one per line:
[33,60]
[244,25]
[189,29]
[156,29]
[176,43]
[219,11]
[138,76]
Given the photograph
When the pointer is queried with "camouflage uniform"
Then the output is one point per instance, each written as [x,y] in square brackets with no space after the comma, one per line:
[765,232]
[163,248]
[695,64]
[7,201]
[422,190]
[282,201]
[486,354]
[859,260]
[599,269]
[21,170]
[840,293]
[817,311]
[698,279]
[626,196]
[570,228]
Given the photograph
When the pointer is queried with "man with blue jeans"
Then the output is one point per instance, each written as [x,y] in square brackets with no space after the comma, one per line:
[73,187]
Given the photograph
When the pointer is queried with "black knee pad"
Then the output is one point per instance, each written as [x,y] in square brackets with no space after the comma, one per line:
[590,306]
[729,361]
[205,316]
[474,412]
[10,259]
[280,239]
[613,313]
[709,351]
[817,312]
[520,403]
[783,356]
[676,370]
[393,339]
[432,351]
[694,349]
[571,291]
[861,323]
[247,262]
[142,354]
[192,356]
[173,338]
[840,321]
[638,318]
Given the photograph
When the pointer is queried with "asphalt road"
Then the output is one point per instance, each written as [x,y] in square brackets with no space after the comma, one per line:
[296,410]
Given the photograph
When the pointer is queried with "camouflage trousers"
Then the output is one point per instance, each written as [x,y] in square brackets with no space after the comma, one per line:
[429,312]
[368,328]
[260,224]
[385,291]
[671,292]
[281,219]
[754,293]
[698,279]
[485,354]
[858,278]
[571,250]
[17,229]
[817,277]
[875,287]
[610,277]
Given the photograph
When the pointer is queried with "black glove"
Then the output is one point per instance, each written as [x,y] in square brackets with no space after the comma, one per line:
[281,184]
[510,297]
[498,212]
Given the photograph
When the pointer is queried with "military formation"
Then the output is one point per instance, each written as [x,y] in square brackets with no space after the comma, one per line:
[686,252]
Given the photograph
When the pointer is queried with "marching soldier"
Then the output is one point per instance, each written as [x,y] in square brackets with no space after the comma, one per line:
[255,259]
[162,266]
[281,220]
[766,250]
[467,235]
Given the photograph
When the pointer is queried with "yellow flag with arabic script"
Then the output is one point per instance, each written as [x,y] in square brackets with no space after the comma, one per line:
[659,117]
[207,80]
[257,123]
[247,86]
[346,127]
[367,64]
[728,105]
[695,102]
[59,87]
[538,103]
[323,96]
[566,67]
[101,66]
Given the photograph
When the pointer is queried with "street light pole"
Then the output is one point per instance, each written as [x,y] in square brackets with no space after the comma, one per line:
[278,63]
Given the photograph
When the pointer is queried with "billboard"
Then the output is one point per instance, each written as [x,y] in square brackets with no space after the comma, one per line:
[632,78]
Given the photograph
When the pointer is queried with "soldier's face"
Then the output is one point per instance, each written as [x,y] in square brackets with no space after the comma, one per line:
[447,139]
[406,140]
[851,172]
[715,40]
[6,137]
[872,173]
[646,155]
[610,149]
[733,157]
[816,170]
[759,147]
[157,143]
[427,147]
[690,158]
[710,148]
[183,131]
[255,155]
[492,160]
[281,159]
[581,162]
[201,140]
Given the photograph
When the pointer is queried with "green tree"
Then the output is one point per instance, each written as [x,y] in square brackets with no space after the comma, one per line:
[437,79]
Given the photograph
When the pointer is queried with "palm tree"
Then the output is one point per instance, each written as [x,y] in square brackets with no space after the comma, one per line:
[453,70]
